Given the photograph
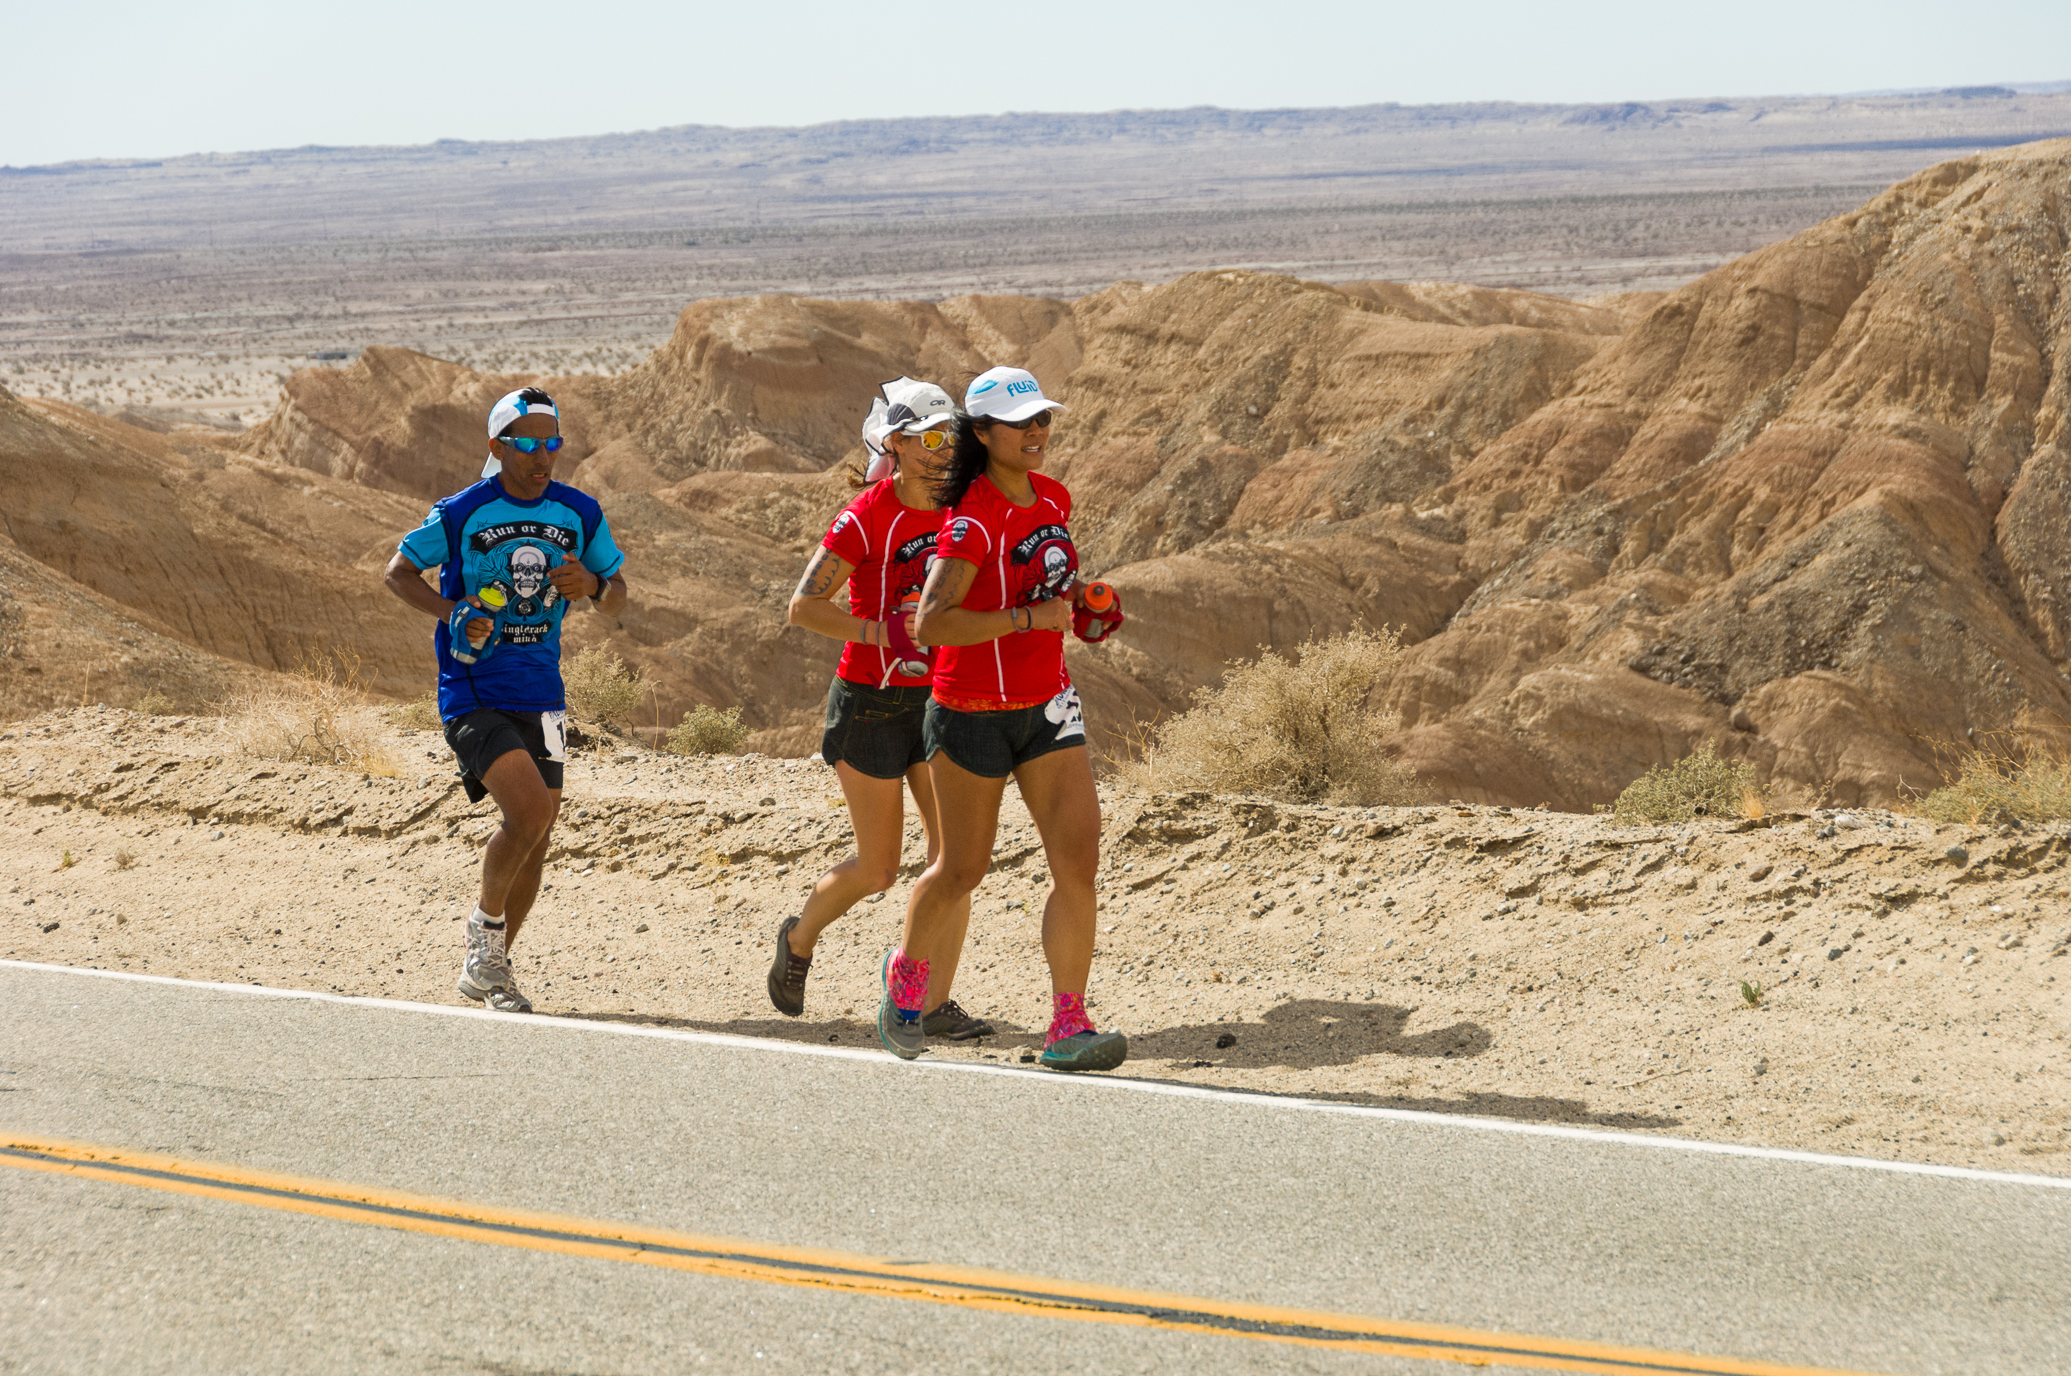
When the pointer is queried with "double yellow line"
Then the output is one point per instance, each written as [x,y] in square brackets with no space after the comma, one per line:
[963,1286]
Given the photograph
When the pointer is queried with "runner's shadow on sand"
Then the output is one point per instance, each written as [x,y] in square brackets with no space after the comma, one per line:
[1304,1034]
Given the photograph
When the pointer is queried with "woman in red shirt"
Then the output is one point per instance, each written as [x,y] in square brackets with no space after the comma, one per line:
[1002,593]
[881,545]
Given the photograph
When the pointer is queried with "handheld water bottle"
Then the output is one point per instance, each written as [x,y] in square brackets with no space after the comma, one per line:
[1098,614]
[491,611]
[908,656]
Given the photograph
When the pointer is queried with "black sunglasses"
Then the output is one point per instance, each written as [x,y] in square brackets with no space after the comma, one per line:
[528,446]
[1041,418]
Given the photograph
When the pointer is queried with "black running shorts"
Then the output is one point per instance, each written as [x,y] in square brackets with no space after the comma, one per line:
[877,731]
[482,737]
[994,744]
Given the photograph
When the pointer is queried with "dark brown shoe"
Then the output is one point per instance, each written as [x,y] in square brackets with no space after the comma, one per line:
[787,974]
[952,1023]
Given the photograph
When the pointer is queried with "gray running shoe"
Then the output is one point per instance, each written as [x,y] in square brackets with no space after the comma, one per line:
[508,999]
[903,1036]
[485,968]
[952,1023]
[787,974]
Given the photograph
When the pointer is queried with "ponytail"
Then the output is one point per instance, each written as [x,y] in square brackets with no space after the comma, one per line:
[967,460]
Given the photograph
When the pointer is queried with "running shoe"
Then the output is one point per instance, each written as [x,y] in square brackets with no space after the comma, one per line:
[952,1023]
[508,999]
[485,968]
[787,974]
[1088,1050]
[901,1032]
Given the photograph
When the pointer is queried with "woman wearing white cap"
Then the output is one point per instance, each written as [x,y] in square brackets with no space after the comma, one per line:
[1003,591]
[880,545]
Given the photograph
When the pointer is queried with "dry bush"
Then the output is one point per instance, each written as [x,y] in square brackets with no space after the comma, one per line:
[420,713]
[2003,783]
[1297,729]
[601,688]
[14,626]
[318,714]
[155,704]
[1132,754]
[707,731]
[1698,785]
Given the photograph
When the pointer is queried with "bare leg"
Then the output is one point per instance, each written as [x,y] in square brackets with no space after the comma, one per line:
[942,974]
[511,861]
[1058,788]
[968,814]
[877,811]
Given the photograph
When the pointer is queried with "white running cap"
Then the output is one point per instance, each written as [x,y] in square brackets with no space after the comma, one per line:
[1006,394]
[526,401]
[907,406]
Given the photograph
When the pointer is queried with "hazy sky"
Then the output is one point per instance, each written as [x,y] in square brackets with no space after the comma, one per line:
[123,78]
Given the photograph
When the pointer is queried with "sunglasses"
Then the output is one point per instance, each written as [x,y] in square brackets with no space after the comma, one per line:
[525,446]
[1041,418]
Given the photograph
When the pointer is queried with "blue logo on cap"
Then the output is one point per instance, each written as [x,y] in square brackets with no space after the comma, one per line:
[976,391]
[1014,387]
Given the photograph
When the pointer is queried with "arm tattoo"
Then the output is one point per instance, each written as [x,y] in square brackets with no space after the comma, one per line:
[822,574]
[948,583]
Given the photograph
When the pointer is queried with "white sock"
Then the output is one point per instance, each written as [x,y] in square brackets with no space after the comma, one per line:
[494,924]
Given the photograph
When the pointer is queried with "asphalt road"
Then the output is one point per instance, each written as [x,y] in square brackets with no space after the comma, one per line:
[1094,1185]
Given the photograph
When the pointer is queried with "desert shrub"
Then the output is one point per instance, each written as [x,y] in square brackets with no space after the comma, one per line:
[1698,785]
[14,626]
[601,688]
[318,713]
[1299,729]
[2003,785]
[155,704]
[707,731]
[420,713]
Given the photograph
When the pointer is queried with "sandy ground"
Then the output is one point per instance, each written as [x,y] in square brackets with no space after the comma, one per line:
[1528,965]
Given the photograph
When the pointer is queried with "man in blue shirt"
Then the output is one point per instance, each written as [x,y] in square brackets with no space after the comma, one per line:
[512,552]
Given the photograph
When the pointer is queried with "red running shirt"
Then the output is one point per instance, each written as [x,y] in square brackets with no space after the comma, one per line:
[891,546]
[1024,556]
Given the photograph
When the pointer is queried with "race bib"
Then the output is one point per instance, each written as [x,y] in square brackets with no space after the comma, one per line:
[1064,710]
[554,726]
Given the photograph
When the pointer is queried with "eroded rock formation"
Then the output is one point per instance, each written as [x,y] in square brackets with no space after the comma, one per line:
[1812,506]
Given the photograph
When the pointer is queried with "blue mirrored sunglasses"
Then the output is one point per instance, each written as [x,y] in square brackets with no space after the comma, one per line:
[525,446]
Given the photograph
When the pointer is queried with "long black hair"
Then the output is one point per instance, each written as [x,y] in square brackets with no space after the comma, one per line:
[967,460]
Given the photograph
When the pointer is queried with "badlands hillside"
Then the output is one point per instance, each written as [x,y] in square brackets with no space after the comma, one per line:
[1809,507]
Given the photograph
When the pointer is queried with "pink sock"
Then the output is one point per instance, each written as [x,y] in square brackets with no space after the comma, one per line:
[1070,1018]
[909,980]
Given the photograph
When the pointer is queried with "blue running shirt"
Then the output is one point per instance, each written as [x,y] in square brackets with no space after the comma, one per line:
[483,538]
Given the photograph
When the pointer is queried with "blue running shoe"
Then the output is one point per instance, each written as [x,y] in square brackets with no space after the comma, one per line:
[1086,1051]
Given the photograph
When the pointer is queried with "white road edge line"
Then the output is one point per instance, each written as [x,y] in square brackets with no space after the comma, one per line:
[1121,1084]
